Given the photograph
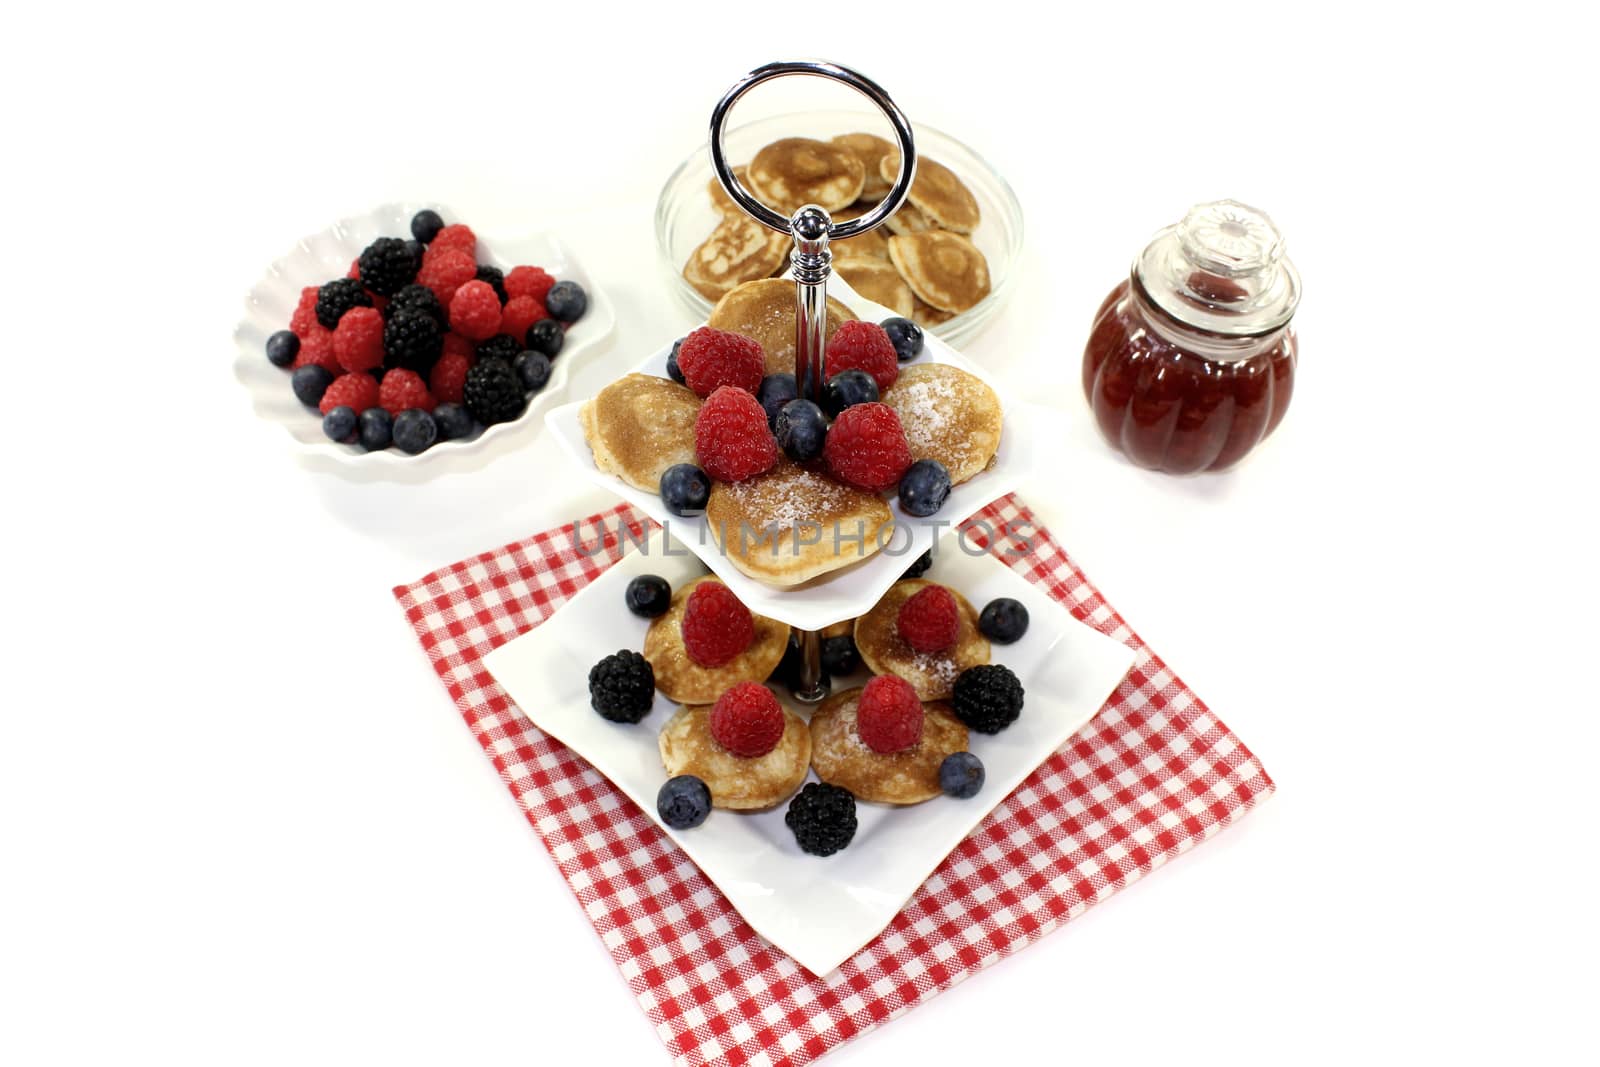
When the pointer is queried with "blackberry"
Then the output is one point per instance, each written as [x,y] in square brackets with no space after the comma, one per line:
[425,225]
[340,424]
[415,297]
[840,655]
[337,297]
[388,265]
[533,368]
[493,392]
[412,339]
[546,336]
[823,818]
[566,301]
[496,279]
[988,698]
[622,687]
[501,346]
[684,802]
[454,422]
[919,566]
[282,347]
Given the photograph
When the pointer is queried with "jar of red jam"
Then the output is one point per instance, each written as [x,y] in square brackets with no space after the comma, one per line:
[1191,361]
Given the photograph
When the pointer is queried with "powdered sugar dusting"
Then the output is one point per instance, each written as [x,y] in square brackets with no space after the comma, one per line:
[787,501]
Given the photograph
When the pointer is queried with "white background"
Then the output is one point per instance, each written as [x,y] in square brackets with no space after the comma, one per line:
[241,822]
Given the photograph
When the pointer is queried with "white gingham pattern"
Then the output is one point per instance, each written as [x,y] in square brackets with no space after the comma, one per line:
[1152,776]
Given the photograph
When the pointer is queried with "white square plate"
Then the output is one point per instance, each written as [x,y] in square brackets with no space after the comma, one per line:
[820,910]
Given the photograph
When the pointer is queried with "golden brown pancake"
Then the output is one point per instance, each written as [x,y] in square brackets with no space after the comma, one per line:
[764,310]
[874,244]
[870,149]
[936,192]
[927,316]
[948,415]
[736,782]
[739,250]
[931,674]
[878,281]
[765,522]
[943,269]
[841,758]
[908,220]
[795,171]
[684,680]
[722,201]
[640,425]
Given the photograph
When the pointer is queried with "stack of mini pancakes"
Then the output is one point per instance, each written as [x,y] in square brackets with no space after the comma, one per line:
[926,268]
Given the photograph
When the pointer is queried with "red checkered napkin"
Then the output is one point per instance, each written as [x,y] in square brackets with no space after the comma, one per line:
[1151,777]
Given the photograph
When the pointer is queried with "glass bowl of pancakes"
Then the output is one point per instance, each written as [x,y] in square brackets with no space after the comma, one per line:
[946,259]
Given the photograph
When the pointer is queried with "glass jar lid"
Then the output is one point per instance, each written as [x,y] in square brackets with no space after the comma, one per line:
[1221,269]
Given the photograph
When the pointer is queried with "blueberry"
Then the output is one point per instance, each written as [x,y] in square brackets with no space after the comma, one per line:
[684,802]
[924,487]
[415,431]
[775,391]
[309,383]
[454,421]
[1003,620]
[377,429]
[546,336]
[685,489]
[566,301]
[673,370]
[961,775]
[648,596]
[801,430]
[839,654]
[282,347]
[919,566]
[847,389]
[425,225]
[533,369]
[906,336]
[340,423]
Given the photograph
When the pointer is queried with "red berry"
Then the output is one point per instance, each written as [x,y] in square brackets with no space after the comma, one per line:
[929,621]
[304,319]
[711,359]
[403,389]
[867,448]
[446,272]
[448,377]
[357,391]
[528,281]
[457,238]
[475,311]
[889,715]
[864,346]
[316,346]
[355,268]
[456,345]
[716,626]
[358,339]
[519,313]
[731,438]
[747,720]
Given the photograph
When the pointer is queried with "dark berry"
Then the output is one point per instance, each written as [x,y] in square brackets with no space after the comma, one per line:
[840,655]
[425,225]
[501,346]
[455,422]
[377,429]
[847,389]
[388,265]
[961,775]
[566,301]
[685,489]
[412,339]
[533,368]
[988,698]
[906,336]
[787,672]
[919,566]
[546,336]
[309,383]
[622,687]
[684,802]
[775,391]
[924,487]
[493,392]
[801,430]
[648,596]
[674,371]
[415,431]
[823,818]
[496,279]
[282,347]
[415,297]
[340,424]
[1003,620]
[337,297]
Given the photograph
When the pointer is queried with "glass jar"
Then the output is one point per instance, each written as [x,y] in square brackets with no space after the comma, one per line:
[1191,361]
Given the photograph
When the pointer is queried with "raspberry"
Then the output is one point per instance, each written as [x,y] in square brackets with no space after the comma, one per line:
[456,345]
[355,269]
[458,238]
[716,627]
[930,621]
[528,281]
[403,389]
[316,348]
[747,721]
[731,438]
[355,391]
[710,359]
[475,311]
[358,339]
[445,272]
[520,313]
[889,715]
[449,375]
[867,447]
[864,346]
[305,313]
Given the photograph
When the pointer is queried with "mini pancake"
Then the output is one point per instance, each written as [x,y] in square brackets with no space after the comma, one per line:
[928,316]
[874,244]
[640,425]
[841,758]
[779,527]
[871,149]
[948,415]
[931,674]
[684,680]
[943,269]
[908,220]
[878,281]
[739,250]
[736,782]
[720,198]
[795,171]
[764,310]
[936,192]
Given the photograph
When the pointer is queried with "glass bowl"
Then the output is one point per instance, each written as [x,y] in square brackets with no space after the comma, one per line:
[685,216]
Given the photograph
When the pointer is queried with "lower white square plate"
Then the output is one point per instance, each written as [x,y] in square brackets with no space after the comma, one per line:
[820,910]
